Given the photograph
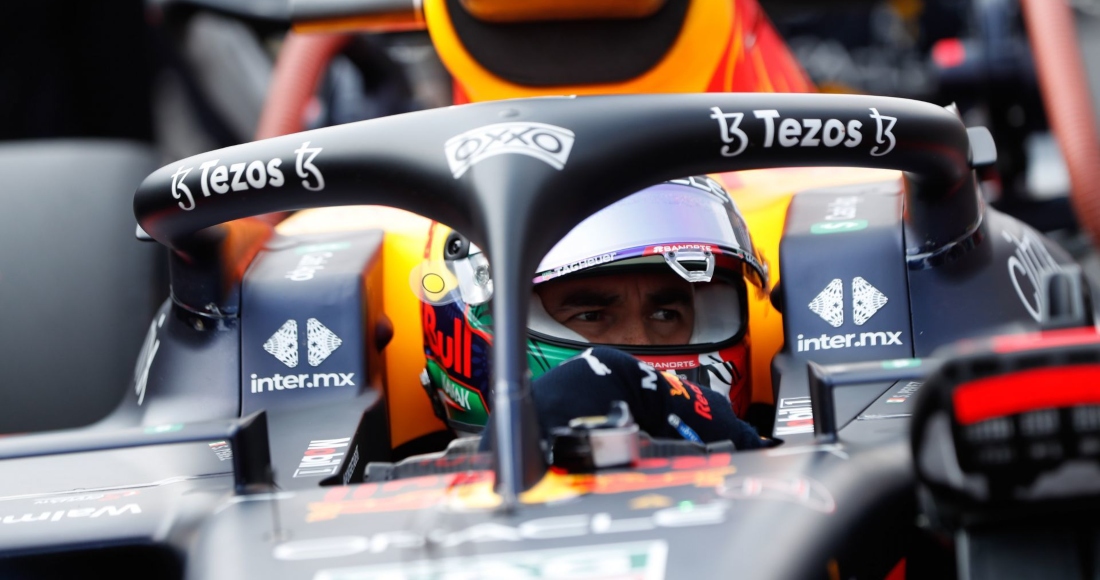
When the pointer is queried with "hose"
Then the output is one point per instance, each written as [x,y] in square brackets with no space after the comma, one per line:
[1065,91]
[298,69]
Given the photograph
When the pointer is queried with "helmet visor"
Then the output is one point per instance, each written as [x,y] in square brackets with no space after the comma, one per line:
[669,217]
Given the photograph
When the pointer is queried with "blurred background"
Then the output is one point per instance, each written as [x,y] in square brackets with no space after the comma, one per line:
[96,94]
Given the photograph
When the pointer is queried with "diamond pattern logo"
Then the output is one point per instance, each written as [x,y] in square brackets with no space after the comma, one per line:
[321,342]
[283,345]
[829,303]
[866,300]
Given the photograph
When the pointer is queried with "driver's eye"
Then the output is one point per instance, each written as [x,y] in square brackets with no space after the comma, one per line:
[589,316]
[666,315]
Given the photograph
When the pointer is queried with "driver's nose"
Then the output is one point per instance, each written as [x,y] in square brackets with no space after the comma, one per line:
[631,330]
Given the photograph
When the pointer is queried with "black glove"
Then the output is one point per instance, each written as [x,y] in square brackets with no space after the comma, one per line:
[588,384]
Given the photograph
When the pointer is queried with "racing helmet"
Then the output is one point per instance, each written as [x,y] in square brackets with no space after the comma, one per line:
[687,228]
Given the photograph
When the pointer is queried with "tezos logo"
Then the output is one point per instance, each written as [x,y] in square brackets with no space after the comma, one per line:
[791,132]
[548,143]
[245,176]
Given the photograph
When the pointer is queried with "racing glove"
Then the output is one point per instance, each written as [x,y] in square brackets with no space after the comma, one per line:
[662,404]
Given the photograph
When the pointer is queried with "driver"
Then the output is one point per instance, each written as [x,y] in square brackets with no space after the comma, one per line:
[660,275]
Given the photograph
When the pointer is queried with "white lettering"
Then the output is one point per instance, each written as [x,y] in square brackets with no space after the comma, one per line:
[305,167]
[883,134]
[769,124]
[181,189]
[813,125]
[834,133]
[202,178]
[789,132]
[1026,267]
[256,174]
[730,133]
[828,342]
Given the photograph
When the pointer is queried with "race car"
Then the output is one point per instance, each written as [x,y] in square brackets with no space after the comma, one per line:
[303,483]
[273,429]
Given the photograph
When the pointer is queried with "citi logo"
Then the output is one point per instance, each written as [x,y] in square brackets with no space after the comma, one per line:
[866,301]
[320,341]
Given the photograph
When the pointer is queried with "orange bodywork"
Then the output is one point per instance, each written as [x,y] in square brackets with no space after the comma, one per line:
[724,45]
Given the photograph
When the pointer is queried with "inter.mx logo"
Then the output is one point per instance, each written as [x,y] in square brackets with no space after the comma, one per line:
[283,345]
[829,305]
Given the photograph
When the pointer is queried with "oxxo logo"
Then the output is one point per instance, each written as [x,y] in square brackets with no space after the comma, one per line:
[258,174]
[547,143]
[791,132]
[829,305]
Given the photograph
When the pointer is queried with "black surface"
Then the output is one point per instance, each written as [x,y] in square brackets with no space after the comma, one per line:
[77,290]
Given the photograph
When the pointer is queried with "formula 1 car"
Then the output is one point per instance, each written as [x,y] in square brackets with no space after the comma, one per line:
[304,482]
[230,460]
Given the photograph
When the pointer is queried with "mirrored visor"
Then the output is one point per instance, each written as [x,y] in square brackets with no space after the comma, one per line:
[692,214]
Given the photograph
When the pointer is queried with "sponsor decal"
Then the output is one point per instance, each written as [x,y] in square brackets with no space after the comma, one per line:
[683,429]
[71,514]
[222,450]
[582,264]
[322,457]
[254,175]
[320,343]
[676,387]
[843,208]
[829,303]
[307,266]
[786,132]
[803,491]
[547,143]
[636,561]
[473,489]
[866,301]
[662,249]
[649,379]
[353,462]
[549,528]
[594,363]
[149,350]
[883,133]
[105,496]
[838,227]
[794,415]
[453,352]
[904,393]
[850,340]
[1026,267]
[301,381]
